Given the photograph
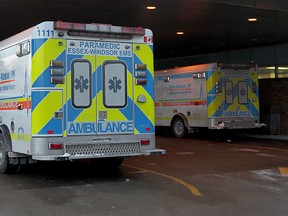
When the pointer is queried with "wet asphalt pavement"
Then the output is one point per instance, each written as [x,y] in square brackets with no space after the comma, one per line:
[197,176]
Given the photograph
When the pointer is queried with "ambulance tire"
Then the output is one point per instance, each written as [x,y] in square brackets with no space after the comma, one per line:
[3,156]
[5,167]
[179,128]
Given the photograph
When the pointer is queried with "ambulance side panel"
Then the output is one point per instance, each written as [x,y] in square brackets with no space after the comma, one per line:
[214,96]
[144,111]
[15,94]
[183,94]
[47,98]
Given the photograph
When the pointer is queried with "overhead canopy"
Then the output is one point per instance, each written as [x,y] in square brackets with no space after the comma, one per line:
[206,25]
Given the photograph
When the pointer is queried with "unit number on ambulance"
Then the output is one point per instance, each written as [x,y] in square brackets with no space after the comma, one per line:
[45,33]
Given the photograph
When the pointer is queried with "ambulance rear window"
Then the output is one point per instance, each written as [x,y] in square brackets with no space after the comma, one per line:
[243,92]
[81,83]
[229,92]
[115,82]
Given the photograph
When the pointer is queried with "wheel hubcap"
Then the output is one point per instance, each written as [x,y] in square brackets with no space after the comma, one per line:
[179,128]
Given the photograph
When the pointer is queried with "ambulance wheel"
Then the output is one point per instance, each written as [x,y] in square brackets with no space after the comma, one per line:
[3,156]
[179,129]
[5,167]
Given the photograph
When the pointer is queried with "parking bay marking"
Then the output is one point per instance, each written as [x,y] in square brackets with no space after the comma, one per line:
[283,171]
[193,189]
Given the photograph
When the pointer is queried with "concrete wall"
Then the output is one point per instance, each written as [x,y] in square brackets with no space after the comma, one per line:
[274,105]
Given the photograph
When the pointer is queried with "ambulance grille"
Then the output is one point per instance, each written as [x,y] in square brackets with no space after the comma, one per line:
[102,150]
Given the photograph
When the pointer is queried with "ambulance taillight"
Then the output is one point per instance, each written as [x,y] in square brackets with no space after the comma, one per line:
[145,142]
[55,146]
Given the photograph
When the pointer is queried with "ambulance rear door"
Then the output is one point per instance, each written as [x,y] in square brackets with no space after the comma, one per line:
[81,88]
[100,88]
[114,88]
[236,88]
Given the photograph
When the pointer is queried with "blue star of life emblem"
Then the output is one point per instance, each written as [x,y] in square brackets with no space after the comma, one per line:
[115,84]
[81,84]
[242,92]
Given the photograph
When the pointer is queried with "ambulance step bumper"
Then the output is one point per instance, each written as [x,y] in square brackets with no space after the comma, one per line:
[154,152]
[64,157]
[85,155]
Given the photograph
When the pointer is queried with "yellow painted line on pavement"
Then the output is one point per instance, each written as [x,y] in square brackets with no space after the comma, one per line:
[193,189]
[139,171]
[283,171]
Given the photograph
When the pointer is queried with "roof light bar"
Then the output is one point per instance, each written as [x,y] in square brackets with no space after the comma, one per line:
[100,28]
[237,66]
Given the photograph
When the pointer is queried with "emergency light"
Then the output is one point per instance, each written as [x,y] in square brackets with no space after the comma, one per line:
[98,30]
[237,66]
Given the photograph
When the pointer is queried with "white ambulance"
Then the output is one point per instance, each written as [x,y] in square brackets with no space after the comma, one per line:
[76,91]
[210,96]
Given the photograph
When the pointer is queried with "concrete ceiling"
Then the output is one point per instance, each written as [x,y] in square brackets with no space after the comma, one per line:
[208,25]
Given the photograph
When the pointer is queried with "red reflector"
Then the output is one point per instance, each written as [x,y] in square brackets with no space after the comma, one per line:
[145,142]
[50,132]
[147,129]
[55,146]
[141,81]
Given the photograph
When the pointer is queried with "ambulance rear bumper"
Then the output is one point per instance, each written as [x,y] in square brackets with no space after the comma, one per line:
[64,157]
[74,152]
[90,147]
[240,123]
[67,157]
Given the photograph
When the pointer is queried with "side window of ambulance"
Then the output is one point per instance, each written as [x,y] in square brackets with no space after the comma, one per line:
[229,92]
[242,92]
[81,83]
[114,84]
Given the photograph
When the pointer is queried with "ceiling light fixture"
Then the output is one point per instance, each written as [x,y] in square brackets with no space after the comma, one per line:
[180,33]
[279,68]
[252,19]
[151,7]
